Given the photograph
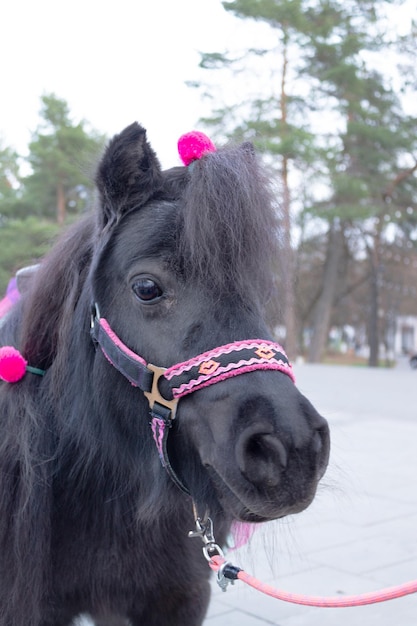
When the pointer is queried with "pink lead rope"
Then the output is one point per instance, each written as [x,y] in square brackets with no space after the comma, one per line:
[225,570]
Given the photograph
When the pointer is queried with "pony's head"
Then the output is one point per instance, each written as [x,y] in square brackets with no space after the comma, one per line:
[183,265]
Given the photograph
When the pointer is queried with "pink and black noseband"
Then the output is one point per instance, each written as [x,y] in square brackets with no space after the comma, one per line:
[164,387]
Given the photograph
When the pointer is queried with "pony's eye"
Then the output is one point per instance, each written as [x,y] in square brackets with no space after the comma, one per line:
[146,289]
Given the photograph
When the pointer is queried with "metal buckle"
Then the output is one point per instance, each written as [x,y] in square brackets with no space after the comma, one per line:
[204,530]
[154,395]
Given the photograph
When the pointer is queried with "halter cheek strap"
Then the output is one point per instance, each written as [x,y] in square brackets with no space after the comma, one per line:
[164,387]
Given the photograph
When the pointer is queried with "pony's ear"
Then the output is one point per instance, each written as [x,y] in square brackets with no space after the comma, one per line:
[128,174]
[248,147]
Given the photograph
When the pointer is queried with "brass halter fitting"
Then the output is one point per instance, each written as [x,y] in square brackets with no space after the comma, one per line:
[154,394]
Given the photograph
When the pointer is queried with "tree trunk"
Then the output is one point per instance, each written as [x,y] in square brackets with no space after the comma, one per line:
[324,304]
[373,322]
[60,204]
[288,268]
[373,325]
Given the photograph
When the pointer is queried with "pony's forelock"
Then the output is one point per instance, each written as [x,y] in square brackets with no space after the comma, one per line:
[228,226]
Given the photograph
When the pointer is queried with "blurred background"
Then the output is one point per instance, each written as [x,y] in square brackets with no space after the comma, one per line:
[325,89]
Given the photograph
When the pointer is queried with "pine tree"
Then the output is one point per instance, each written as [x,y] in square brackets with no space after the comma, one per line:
[333,119]
[34,208]
[374,141]
[61,157]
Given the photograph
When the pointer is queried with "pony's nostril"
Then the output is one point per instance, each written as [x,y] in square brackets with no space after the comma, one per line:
[261,457]
[269,445]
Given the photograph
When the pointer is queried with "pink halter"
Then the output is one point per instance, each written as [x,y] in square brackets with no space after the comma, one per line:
[201,371]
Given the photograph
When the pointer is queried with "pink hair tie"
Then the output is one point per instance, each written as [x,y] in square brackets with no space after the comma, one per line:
[13,366]
[194,145]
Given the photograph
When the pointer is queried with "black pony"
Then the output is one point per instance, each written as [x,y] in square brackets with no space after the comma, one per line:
[171,265]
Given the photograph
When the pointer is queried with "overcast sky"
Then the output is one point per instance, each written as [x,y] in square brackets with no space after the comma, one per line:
[113,61]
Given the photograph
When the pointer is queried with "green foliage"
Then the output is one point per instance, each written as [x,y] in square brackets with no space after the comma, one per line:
[290,14]
[326,45]
[34,208]
[214,60]
[9,173]
[23,242]
[61,154]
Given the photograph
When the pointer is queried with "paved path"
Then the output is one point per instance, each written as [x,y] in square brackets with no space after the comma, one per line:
[360,534]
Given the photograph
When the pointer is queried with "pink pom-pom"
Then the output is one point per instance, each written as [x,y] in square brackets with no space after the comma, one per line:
[193,146]
[12,364]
